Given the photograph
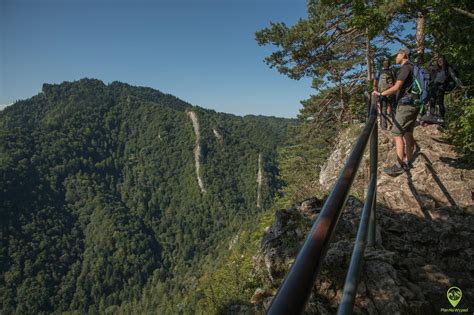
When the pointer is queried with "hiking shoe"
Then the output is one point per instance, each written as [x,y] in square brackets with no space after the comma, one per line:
[394,170]
[432,119]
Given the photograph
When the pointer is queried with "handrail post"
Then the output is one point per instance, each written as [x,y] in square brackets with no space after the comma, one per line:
[373,171]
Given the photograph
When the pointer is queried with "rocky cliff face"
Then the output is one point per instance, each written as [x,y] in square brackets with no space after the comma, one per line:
[425,235]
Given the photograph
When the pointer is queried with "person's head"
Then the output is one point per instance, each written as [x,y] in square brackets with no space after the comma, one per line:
[402,55]
[386,64]
[442,63]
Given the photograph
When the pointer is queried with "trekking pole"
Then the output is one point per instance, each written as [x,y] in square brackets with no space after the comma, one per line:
[369,102]
[387,118]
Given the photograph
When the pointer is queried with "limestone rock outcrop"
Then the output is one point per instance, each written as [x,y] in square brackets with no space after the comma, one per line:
[197,149]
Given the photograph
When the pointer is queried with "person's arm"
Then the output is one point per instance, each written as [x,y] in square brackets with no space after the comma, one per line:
[455,78]
[392,90]
[402,76]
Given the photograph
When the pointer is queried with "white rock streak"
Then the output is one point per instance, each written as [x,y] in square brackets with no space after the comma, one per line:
[217,134]
[259,180]
[197,149]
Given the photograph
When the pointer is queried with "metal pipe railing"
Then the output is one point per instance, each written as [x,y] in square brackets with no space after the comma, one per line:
[294,293]
[373,171]
[355,266]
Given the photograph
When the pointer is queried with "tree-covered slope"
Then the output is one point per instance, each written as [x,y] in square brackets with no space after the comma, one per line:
[99,192]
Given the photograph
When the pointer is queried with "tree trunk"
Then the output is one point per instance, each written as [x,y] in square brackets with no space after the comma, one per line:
[420,37]
[368,53]
[342,103]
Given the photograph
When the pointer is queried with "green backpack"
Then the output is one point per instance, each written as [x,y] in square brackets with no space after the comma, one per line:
[386,79]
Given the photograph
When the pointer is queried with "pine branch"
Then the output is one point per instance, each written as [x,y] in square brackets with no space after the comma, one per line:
[464,12]
[396,38]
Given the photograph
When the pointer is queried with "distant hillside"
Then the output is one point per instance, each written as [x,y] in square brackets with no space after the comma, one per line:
[107,188]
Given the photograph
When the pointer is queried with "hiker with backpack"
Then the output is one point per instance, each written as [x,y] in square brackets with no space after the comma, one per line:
[384,80]
[407,110]
[443,79]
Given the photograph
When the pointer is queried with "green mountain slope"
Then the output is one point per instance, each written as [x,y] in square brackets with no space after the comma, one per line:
[99,192]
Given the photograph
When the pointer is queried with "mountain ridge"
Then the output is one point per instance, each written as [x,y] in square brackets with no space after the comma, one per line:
[99,198]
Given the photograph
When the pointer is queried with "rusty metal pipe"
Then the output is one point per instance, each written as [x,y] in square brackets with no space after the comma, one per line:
[294,293]
[355,266]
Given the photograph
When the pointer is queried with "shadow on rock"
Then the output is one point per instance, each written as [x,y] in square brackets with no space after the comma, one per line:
[458,163]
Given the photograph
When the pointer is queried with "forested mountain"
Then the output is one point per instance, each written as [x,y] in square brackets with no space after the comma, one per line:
[108,189]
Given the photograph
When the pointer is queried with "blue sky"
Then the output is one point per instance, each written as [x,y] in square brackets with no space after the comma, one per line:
[202,51]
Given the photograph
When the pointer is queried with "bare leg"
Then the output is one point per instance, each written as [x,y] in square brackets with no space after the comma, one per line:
[410,145]
[400,146]
[440,100]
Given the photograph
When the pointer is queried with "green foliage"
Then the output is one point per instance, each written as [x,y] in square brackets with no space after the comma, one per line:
[224,277]
[452,35]
[233,279]
[324,46]
[100,211]
[300,161]
[460,126]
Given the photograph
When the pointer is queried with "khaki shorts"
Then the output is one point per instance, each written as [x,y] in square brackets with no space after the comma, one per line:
[405,119]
